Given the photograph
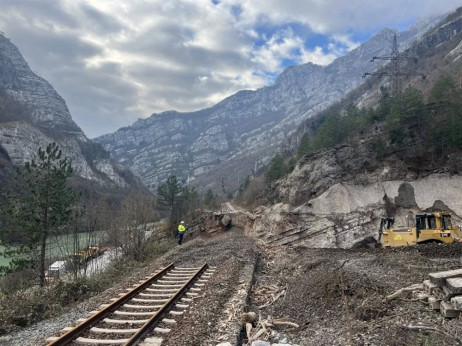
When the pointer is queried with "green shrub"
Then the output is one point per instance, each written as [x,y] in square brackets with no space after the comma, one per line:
[276,169]
[378,145]
[70,292]
[159,248]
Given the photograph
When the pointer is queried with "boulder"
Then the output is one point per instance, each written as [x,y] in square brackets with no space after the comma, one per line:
[226,220]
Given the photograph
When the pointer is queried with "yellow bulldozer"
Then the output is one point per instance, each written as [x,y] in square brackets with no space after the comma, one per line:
[82,256]
[435,227]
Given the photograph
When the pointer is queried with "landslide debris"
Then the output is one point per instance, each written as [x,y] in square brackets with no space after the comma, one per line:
[337,296]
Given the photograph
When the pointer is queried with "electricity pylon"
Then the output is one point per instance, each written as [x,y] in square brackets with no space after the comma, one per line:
[394,70]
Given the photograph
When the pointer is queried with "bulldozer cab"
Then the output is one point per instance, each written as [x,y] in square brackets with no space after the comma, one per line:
[386,222]
[429,227]
[447,223]
[427,221]
[435,221]
[434,227]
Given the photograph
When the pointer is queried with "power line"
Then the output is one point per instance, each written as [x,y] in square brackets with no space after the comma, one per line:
[424,7]
[394,70]
[400,13]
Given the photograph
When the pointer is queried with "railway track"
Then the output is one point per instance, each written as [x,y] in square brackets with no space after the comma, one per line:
[149,307]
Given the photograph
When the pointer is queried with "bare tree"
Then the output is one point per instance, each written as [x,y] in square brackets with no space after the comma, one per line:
[252,192]
[134,224]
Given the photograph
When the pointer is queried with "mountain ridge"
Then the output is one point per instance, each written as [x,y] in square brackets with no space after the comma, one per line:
[236,137]
[336,196]
[33,114]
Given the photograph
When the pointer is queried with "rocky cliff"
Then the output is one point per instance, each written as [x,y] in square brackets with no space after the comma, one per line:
[336,197]
[32,115]
[225,143]
[326,202]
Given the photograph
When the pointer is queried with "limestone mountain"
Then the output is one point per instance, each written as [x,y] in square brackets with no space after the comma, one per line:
[336,196]
[32,115]
[221,145]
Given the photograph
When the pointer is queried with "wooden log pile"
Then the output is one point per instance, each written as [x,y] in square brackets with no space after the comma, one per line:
[445,292]
[442,292]
[265,295]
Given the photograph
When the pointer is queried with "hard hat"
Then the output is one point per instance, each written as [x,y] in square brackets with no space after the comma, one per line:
[182,221]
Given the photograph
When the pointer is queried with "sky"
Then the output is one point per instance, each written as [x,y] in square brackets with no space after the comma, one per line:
[116,61]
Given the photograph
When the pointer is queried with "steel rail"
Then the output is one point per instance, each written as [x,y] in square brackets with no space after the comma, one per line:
[72,334]
[146,328]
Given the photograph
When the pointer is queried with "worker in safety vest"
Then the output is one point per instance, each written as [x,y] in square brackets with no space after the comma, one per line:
[181,230]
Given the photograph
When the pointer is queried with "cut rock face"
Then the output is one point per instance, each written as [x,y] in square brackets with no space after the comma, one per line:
[341,219]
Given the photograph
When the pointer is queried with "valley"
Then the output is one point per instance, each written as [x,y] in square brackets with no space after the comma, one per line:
[281,190]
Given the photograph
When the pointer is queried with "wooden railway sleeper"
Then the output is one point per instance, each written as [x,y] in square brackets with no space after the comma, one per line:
[172,281]
[172,278]
[149,300]
[156,295]
[176,276]
[164,286]
[133,313]
[114,321]
[81,340]
[115,331]
[141,306]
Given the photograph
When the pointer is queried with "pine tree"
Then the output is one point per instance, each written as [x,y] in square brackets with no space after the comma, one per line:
[169,193]
[209,198]
[244,185]
[277,169]
[186,204]
[39,205]
[447,121]
[304,145]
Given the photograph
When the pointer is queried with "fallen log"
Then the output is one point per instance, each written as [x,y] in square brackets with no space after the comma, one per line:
[248,329]
[258,334]
[400,292]
[286,323]
[274,299]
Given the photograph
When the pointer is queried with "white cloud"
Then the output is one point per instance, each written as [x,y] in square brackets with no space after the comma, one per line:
[345,41]
[283,45]
[334,17]
[115,61]
[317,56]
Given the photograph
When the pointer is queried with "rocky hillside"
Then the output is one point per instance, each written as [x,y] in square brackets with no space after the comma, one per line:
[336,196]
[225,143]
[32,114]
[438,53]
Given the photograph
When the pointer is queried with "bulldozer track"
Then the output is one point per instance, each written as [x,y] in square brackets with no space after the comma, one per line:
[150,307]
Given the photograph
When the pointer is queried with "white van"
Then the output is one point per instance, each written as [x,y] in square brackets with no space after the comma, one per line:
[55,270]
